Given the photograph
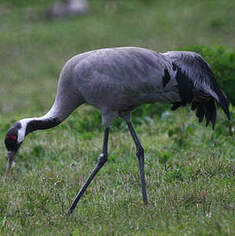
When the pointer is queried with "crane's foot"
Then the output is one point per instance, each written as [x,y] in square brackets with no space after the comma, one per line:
[140,155]
[70,211]
[101,161]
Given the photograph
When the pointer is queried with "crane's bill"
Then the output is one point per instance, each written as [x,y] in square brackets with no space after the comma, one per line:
[11,156]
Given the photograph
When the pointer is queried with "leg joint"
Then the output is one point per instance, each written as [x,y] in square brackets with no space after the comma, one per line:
[102,159]
[140,151]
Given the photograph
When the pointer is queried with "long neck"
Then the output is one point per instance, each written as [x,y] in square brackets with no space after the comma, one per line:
[53,118]
[29,125]
[38,124]
[63,106]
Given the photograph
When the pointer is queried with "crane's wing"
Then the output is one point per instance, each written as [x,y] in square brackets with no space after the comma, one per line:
[197,84]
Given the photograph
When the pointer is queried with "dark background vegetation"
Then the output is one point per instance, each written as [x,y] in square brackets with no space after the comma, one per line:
[189,168]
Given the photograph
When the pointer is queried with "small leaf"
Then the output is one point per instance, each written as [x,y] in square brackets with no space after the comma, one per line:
[170,132]
[230,108]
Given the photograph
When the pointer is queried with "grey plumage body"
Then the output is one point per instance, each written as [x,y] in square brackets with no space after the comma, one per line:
[116,81]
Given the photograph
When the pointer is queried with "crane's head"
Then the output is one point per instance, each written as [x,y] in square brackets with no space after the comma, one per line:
[13,140]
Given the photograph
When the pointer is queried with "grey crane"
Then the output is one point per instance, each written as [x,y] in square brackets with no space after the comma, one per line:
[116,81]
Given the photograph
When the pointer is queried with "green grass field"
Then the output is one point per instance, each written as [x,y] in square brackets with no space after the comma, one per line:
[189,168]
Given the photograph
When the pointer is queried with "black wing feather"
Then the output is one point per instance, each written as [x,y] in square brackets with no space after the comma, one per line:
[197,85]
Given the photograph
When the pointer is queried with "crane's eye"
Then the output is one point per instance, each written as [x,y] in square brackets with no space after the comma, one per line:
[13,137]
[11,142]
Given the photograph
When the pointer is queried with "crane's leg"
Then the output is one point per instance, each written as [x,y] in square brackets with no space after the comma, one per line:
[140,155]
[101,161]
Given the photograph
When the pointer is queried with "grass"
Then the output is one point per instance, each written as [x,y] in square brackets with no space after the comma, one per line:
[191,192]
[34,50]
[189,168]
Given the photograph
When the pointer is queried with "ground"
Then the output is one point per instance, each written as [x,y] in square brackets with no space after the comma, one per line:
[189,168]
